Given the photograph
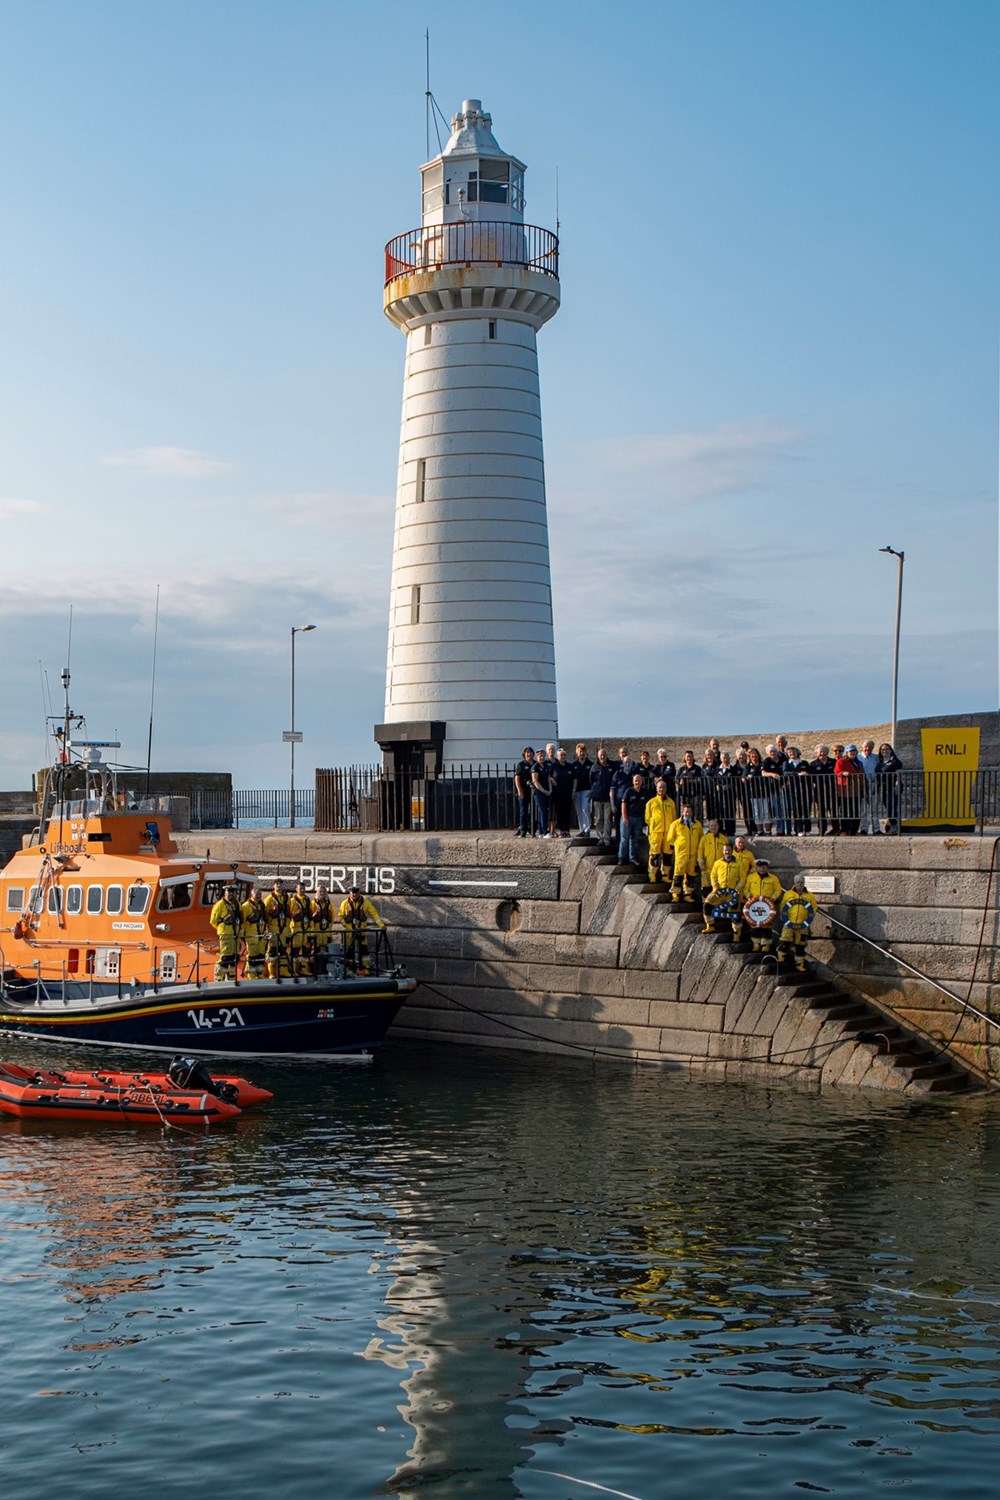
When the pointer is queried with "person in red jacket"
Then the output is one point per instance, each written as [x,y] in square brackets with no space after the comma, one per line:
[851,784]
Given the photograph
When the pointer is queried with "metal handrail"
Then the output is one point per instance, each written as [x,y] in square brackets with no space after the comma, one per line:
[888,953]
[473,242]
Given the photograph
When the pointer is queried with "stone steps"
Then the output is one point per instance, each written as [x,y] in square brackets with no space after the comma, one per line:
[921,1065]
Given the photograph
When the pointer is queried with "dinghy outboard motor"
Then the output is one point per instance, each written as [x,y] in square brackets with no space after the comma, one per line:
[191,1073]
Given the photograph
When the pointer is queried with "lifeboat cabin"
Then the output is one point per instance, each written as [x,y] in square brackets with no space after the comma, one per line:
[100,893]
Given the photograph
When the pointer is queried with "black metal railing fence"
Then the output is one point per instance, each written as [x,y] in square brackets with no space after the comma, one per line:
[483,797]
[214,808]
[363,798]
[477,242]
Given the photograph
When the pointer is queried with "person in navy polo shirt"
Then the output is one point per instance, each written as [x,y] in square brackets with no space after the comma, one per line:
[664,766]
[562,793]
[621,781]
[582,767]
[601,777]
[523,789]
[541,790]
[633,815]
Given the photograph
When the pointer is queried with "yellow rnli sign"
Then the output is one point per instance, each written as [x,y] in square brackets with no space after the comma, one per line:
[951,761]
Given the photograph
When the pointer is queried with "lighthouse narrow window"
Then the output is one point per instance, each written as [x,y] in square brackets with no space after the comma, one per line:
[421,479]
[493,328]
[428,333]
[415,604]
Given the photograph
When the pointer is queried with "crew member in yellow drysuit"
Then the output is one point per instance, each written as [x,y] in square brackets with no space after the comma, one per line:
[710,848]
[255,926]
[227,919]
[744,857]
[661,811]
[299,911]
[683,837]
[761,883]
[277,933]
[356,911]
[725,878]
[321,920]
[795,915]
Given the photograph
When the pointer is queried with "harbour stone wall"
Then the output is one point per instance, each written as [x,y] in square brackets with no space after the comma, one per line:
[524,944]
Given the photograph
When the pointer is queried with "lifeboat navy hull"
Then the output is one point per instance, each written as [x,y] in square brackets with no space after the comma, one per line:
[303,1018]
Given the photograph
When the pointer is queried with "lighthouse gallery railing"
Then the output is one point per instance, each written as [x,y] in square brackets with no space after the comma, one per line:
[479,242]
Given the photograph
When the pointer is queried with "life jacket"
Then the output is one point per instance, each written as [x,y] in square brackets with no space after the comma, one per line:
[230,916]
[255,916]
[277,910]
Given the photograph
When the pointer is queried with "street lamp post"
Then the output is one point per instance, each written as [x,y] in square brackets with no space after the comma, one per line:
[296,630]
[900,556]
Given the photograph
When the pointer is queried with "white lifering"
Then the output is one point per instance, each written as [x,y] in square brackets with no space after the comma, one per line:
[760,911]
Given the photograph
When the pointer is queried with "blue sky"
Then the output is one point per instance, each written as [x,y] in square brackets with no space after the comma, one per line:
[777,352]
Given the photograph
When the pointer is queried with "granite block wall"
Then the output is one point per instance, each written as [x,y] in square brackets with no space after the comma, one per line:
[530,944]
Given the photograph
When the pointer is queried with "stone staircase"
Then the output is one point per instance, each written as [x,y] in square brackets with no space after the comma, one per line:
[906,1060]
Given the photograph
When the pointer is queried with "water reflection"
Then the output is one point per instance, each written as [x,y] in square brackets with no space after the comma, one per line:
[472,1275]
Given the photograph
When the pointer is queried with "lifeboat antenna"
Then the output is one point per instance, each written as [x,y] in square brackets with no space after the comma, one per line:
[63,771]
[152,690]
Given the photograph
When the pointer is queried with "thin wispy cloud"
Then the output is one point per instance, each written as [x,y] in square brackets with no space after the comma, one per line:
[331,509]
[15,510]
[728,459]
[168,463]
[238,608]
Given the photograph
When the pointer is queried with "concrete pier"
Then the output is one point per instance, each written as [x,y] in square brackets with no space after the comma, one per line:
[545,946]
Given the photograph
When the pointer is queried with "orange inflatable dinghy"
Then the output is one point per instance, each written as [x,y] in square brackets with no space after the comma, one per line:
[140,1098]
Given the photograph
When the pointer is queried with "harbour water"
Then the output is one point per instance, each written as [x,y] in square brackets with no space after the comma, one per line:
[476,1273]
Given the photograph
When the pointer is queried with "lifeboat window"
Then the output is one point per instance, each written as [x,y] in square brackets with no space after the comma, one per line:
[175,897]
[116,900]
[95,900]
[73,961]
[74,900]
[138,899]
[55,902]
[34,900]
[213,891]
[15,898]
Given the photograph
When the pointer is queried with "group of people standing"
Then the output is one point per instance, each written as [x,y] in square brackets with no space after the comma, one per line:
[842,792]
[288,934]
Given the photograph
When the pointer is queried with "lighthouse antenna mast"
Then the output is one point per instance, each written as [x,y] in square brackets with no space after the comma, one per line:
[431,107]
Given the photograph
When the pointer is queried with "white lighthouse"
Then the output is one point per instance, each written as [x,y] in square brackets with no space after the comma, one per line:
[471,654]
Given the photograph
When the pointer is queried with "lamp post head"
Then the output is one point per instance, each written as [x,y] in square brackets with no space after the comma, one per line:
[893,551]
[300,629]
